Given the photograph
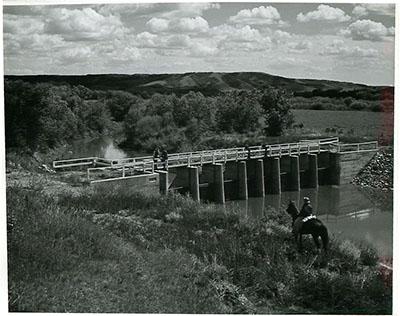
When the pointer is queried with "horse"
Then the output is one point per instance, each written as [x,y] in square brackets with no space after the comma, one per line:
[312,226]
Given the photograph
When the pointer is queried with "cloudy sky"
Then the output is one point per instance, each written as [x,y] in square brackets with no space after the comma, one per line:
[346,42]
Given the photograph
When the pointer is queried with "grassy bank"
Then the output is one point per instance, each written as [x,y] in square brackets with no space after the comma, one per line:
[116,251]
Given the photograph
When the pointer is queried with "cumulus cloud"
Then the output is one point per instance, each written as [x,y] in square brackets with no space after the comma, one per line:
[84,24]
[198,49]
[257,16]
[196,25]
[181,10]
[184,25]
[75,54]
[126,54]
[367,30]
[236,34]
[359,10]
[178,41]
[146,39]
[239,38]
[14,24]
[300,46]
[324,13]
[338,48]
[381,9]
[158,25]
[279,37]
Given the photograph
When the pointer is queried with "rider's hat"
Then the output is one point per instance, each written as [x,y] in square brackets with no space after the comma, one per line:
[306,199]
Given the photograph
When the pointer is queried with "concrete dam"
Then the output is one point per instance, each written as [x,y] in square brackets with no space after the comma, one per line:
[234,173]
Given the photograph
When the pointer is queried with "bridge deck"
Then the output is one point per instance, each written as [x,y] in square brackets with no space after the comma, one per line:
[139,165]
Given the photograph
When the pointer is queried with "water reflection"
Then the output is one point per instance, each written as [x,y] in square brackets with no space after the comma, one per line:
[349,212]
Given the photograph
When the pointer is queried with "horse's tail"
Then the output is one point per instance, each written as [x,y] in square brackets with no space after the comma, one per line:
[325,237]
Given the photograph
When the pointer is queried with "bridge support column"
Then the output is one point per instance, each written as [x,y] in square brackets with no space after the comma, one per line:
[259,190]
[294,177]
[313,171]
[194,186]
[334,169]
[242,181]
[275,183]
[219,183]
[163,178]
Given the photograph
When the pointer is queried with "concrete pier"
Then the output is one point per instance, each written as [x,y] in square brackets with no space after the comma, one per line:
[334,169]
[259,188]
[242,181]
[219,183]
[163,181]
[194,186]
[313,171]
[275,183]
[294,176]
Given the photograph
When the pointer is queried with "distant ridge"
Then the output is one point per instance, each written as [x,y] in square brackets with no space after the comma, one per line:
[208,83]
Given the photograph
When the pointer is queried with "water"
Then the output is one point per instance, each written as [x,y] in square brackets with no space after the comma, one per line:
[348,211]
[104,147]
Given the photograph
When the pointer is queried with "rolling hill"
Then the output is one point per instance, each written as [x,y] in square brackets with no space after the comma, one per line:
[209,83]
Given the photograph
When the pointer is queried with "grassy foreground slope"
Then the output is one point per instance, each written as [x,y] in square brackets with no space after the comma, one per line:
[87,250]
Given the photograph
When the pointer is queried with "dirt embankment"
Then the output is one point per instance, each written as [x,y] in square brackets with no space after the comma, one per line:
[378,173]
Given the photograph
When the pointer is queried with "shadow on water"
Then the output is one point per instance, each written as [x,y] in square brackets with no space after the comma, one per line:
[350,212]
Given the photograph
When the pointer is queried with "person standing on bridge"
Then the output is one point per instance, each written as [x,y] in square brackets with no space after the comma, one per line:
[247,148]
[164,158]
[156,156]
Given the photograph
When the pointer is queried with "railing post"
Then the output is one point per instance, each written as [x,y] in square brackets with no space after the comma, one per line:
[213,157]
[201,158]
[88,176]
[152,167]
[358,147]
[123,171]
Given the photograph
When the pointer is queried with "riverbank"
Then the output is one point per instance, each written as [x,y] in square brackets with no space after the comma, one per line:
[76,249]
[378,173]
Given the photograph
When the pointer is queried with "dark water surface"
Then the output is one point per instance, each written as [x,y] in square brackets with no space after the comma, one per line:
[348,211]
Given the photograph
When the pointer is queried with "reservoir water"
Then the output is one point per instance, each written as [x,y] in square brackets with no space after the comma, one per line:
[348,211]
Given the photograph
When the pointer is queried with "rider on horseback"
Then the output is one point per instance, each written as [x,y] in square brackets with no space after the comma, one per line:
[306,213]
[306,210]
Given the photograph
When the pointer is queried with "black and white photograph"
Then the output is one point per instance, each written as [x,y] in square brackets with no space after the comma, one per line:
[198,157]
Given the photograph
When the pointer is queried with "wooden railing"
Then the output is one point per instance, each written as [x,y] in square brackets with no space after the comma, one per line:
[131,166]
[355,147]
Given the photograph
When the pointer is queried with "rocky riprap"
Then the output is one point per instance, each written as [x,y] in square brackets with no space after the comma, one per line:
[378,173]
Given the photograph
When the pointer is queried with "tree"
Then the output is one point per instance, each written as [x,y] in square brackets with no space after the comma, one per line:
[238,111]
[276,111]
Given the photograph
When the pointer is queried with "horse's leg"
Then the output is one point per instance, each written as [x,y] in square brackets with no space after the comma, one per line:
[300,244]
[316,240]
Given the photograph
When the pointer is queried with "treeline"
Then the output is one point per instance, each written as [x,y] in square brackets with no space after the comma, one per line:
[371,94]
[41,116]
